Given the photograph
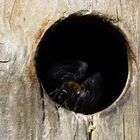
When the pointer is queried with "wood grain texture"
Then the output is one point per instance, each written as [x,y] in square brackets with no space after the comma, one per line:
[26,113]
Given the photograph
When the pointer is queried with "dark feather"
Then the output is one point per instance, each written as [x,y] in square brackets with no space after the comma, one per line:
[70,92]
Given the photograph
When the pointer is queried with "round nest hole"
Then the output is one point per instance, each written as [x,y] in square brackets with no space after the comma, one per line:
[82,63]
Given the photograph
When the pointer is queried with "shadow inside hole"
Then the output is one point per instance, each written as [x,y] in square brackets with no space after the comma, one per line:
[91,39]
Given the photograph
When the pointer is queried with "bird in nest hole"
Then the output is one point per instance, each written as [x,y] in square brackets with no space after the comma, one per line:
[72,87]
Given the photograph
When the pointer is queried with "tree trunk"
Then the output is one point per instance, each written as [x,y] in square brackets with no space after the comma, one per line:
[26,113]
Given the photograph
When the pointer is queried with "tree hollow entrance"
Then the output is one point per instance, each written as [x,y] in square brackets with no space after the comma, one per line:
[89,39]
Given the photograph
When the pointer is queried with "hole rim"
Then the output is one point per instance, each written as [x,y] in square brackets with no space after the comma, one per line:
[131,61]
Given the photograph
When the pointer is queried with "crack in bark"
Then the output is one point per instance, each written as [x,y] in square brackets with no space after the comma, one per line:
[76,131]
[90,129]
[123,127]
[12,11]
[4,61]
[42,101]
[75,134]
[89,133]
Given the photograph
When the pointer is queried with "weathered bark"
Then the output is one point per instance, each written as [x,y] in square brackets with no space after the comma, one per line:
[25,111]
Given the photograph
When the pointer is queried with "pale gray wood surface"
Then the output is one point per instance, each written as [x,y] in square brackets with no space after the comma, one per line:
[22,115]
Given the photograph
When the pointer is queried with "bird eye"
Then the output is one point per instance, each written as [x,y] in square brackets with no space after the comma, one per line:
[82,63]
